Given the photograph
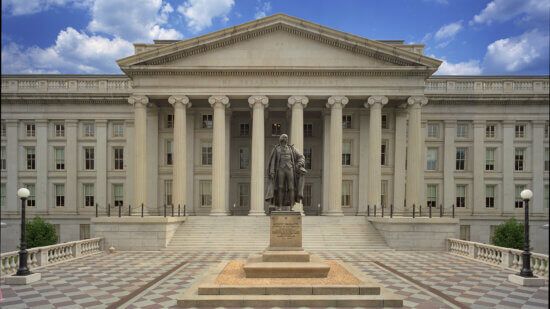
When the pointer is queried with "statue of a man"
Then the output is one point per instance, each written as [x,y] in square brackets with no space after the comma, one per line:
[286,175]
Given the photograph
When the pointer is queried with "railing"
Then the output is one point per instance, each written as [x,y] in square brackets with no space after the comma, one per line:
[498,256]
[487,85]
[48,255]
[67,84]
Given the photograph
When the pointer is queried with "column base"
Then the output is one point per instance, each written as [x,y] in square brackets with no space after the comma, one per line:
[256,213]
[221,213]
[333,213]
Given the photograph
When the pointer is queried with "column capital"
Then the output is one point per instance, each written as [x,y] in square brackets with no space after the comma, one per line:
[262,100]
[417,101]
[138,100]
[297,99]
[219,100]
[376,100]
[176,100]
[337,100]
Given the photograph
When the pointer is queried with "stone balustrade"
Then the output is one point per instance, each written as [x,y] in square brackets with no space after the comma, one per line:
[498,256]
[487,85]
[48,255]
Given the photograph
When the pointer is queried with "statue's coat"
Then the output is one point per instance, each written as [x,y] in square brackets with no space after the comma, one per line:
[298,162]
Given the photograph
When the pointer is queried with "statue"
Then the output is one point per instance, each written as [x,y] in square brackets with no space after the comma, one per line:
[286,175]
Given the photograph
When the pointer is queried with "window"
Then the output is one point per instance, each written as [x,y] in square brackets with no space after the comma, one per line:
[431,195]
[168,192]
[244,158]
[519,201]
[307,195]
[3,158]
[244,195]
[462,130]
[119,158]
[205,193]
[546,159]
[433,130]
[88,158]
[460,194]
[519,159]
[460,158]
[207,121]
[118,130]
[168,152]
[385,124]
[276,129]
[206,154]
[84,231]
[244,129]
[308,130]
[59,130]
[118,194]
[346,153]
[465,232]
[30,130]
[346,121]
[88,194]
[31,200]
[2,195]
[384,193]
[520,130]
[490,131]
[490,159]
[307,157]
[384,152]
[3,129]
[31,158]
[169,121]
[431,164]
[59,155]
[89,129]
[59,195]
[346,193]
[490,196]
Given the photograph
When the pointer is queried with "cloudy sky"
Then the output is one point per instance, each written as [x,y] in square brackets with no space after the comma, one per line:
[472,37]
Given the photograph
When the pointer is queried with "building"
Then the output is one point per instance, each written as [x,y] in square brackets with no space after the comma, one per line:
[191,123]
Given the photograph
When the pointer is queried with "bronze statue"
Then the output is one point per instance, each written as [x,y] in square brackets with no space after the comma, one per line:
[286,170]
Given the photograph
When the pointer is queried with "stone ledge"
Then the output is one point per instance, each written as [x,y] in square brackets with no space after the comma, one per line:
[137,220]
[417,220]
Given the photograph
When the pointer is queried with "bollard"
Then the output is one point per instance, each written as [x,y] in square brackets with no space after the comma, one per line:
[440,211]
[453,210]
[318,209]
[96,210]
[178,210]
[414,210]
[430,210]
[375,210]
[129,210]
[119,211]
[184,210]
[109,210]
[420,210]
[368,210]
[391,210]
[382,211]
[172,210]
[142,210]
[165,210]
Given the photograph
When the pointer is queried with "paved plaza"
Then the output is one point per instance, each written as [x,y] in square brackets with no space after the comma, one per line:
[153,279]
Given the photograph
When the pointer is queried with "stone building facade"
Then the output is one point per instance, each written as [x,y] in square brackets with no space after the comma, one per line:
[192,122]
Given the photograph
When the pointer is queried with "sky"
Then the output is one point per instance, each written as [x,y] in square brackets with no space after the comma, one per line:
[471,37]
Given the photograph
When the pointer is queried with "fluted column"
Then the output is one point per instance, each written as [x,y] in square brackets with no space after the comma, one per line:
[257,172]
[179,185]
[140,145]
[375,104]
[297,105]
[219,155]
[336,104]
[415,166]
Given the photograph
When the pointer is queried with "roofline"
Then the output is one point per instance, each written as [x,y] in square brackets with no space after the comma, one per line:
[126,76]
[63,75]
[487,76]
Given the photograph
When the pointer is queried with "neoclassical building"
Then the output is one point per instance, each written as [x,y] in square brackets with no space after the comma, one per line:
[192,123]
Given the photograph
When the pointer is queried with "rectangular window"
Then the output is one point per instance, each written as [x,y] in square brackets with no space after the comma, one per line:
[89,129]
[31,200]
[460,158]
[118,152]
[385,124]
[384,193]
[346,193]
[84,231]
[520,130]
[59,195]
[462,130]
[205,192]
[244,158]
[168,192]
[168,152]
[431,195]
[519,159]
[489,159]
[2,195]
[519,201]
[276,129]
[244,195]
[460,196]
[118,130]
[307,157]
[384,152]
[307,195]
[308,130]
[59,130]
[433,130]
[3,158]
[346,121]
[465,232]
[206,153]
[30,156]
[346,153]
[89,155]
[546,159]
[207,121]
[30,130]
[244,129]
[169,121]
[490,131]
[490,196]
[59,156]
[431,164]
[88,194]
[118,194]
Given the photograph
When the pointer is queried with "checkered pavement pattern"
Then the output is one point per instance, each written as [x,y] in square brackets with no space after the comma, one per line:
[100,280]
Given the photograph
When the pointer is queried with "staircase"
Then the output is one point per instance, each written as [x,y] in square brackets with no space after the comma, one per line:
[250,233]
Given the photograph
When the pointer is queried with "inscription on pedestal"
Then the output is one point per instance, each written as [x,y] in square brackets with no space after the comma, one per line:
[285,231]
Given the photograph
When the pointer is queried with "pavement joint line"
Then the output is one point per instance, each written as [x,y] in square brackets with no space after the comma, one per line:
[126,300]
[434,292]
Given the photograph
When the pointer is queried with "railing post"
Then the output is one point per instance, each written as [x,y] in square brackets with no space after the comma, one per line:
[420,210]
[77,250]
[375,210]
[507,259]
[108,209]
[453,210]
[43,257]
[414,210]
[96,210]
[391,210]
[142,210]
[178,210]
[430,210]
[129,210]
[382,208]
[368,210]
[472,250]
[119,211]
[165,210]
[318,209]
[172,210]
[184,210]
[440,210]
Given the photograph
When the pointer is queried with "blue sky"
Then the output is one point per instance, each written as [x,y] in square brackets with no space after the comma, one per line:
[472,37]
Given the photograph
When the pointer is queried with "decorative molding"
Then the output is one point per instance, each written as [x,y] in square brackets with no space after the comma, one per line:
[179,99]
[417,101]
[297,99]
[258,99]
[337,101]
[376,72]
[376,99]
[138,100]
[219,100]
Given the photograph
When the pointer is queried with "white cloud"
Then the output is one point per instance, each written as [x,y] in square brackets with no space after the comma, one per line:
[262,9]
[470,67]
[503,10]
[514,54]
[133,20]
[73,52]
[200,13]
[26,7]
[448,31]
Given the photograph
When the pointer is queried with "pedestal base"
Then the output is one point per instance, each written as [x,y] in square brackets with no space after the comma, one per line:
[524,281]
[23,280]
[257,267]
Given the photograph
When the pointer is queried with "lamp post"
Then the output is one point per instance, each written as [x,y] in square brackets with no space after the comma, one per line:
[23,270]
[526,271]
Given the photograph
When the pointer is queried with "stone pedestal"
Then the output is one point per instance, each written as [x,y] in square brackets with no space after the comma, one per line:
[23,280]
[285,231]
[523,281]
